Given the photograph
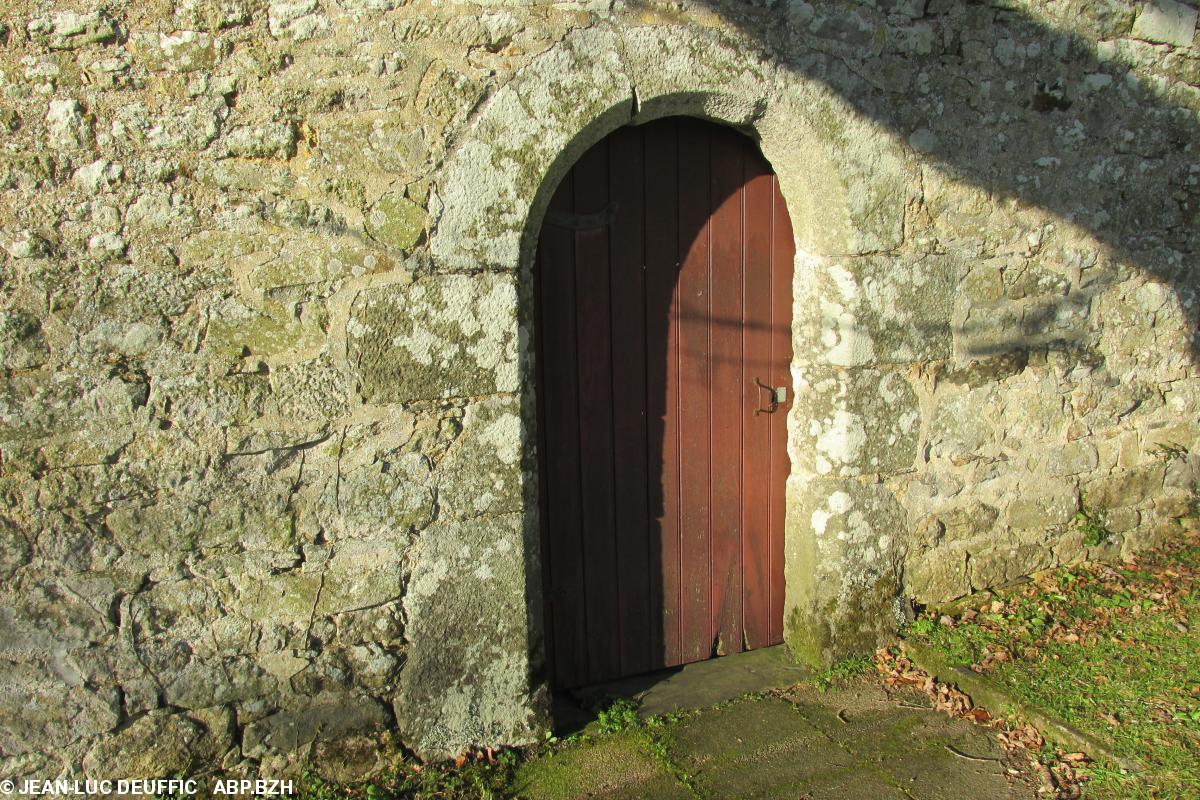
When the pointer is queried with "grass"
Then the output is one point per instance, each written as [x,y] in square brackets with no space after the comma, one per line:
[497,778]
[1114,651]
[844,671]
[475,779]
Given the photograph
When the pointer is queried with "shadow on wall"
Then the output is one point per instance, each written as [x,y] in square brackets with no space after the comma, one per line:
[1033,116]
[1014,118]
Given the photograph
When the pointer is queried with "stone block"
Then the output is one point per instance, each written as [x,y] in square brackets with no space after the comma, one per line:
[38,710]
[271,329]
[360,146]
[876,310]
[481,473]
[1166,21]
[1042,504]
[473,687]
[522,146]
[161,743]
[396,222]
[937,576]
[361,574]
[1128,487]
[441,336]
[998,563]
[842,567]
[965,425]
[1072,458]
[326,717]
[854,422]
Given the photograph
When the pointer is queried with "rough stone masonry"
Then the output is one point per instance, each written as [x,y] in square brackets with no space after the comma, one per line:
[266,461]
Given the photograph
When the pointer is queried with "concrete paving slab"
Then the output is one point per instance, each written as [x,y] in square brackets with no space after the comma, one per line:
[704,683]
[858,741]
[930,755]
[765,749]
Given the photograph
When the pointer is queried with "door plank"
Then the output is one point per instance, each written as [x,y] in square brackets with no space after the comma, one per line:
[725,334]
[596,420]
[662,387]
[626,245]
[756,453]
[695,378]
[782,265]
[560,406]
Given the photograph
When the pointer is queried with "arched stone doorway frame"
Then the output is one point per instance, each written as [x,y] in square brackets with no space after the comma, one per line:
[844,180]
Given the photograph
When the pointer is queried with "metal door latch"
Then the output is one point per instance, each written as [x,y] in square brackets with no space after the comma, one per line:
[776,394]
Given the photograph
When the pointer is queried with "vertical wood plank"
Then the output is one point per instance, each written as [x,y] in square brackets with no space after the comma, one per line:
[559,394]
[756,450]
[783,257]
[695,363]
[546,545]
[629,340]
[594,369]
[662,387]
[727,150]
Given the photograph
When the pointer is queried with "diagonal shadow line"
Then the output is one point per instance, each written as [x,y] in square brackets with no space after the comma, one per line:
[1120,162]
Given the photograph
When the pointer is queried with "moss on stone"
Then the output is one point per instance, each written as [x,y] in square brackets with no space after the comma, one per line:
[397,222]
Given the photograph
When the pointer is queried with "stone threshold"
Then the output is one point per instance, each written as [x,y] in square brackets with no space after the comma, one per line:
[693,686]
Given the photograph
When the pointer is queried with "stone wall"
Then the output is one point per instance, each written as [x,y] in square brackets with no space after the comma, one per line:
[268,485]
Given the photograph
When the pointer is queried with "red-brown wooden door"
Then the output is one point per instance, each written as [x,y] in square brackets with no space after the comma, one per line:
[664,326]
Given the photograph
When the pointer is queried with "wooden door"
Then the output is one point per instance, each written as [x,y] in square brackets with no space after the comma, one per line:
[664,327]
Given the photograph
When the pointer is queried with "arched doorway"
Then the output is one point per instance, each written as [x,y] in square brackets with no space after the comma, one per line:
[664,283]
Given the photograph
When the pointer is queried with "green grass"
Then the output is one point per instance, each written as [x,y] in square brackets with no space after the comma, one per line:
[844,671]
[1114,651]
[477,779]
[621,715]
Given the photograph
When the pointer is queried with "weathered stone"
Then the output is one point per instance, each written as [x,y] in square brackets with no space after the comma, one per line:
[879,311]
[527,132]
[1073,458]
[99,175]
[355,145]
[268,140]
[937,576]
[481,473]
[396,222]
[1042,505]
[843,570]
[1001,563]
[68,30]
[328,717]
[964,425]
[1166,21]
[269,330]
[296,19]
[67,125]
[436,709]
[855,422]
[39,708]
[1124,488]
[161,743]
[442,336]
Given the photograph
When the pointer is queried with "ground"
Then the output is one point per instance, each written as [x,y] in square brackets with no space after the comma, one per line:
[787,733]
[1110,651]
[850,742]
[1104,658]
